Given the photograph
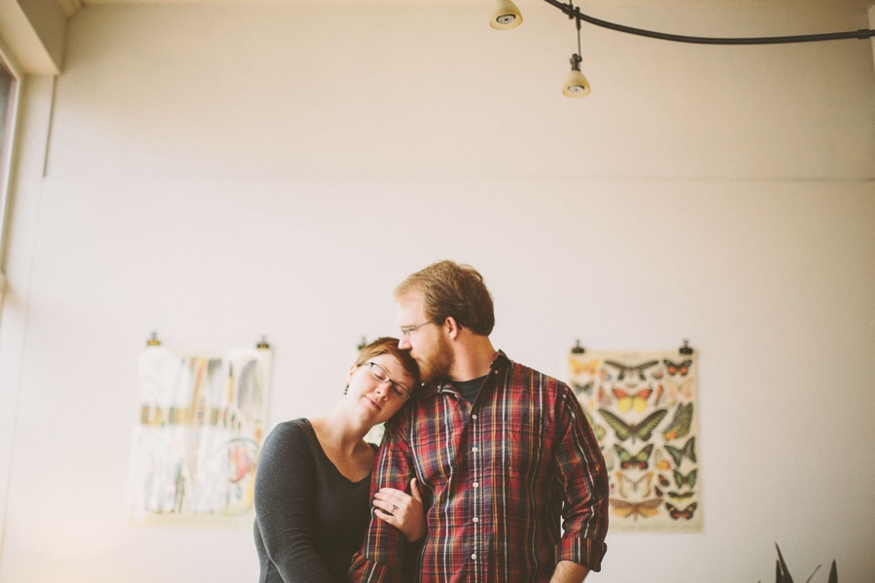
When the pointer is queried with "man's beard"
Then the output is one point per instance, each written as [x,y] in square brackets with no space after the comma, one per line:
[435,365]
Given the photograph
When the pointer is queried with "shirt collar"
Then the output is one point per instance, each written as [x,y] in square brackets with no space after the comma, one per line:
[498,362]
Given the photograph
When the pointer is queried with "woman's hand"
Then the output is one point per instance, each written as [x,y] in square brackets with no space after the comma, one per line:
[403,511]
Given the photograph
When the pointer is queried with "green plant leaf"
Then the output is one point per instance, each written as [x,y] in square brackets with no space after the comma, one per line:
[833,574]
[812,574]
[783,571]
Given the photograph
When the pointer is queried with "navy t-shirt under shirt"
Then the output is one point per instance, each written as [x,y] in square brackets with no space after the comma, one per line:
[469,389]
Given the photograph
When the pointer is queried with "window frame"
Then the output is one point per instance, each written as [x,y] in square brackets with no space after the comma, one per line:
[7,153]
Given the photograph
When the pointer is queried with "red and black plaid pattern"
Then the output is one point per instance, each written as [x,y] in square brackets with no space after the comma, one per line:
[497,476]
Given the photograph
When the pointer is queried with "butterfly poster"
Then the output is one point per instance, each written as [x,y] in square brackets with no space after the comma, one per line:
[199,431]
[644,411]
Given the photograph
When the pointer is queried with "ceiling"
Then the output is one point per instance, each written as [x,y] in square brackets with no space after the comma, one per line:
[862,4]
[70,7]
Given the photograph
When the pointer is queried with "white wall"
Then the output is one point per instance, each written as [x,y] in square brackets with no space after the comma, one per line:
[218,173]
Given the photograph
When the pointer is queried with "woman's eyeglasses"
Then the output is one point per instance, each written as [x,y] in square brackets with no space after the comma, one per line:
[381,376]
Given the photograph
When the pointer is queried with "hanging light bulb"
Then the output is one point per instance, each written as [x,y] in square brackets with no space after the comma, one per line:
[575,84]
[506,15]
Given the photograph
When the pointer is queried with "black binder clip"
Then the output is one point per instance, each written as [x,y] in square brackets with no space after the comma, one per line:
[362,344]
[578,349]
[263,345]
[685,349]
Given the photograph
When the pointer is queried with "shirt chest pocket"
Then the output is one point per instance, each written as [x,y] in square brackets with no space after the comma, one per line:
[526,451]
[436,458]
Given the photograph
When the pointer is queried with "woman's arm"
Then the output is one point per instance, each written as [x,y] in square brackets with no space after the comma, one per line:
[284,501]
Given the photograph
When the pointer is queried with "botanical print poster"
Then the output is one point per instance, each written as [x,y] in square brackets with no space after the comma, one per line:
[644,410]
[200,430]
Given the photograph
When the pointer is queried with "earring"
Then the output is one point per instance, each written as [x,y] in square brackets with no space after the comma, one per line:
[346,390]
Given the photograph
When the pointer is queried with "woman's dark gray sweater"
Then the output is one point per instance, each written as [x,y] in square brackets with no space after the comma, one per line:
[310,519]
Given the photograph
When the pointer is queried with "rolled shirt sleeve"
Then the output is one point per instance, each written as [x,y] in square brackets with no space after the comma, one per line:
[583,480]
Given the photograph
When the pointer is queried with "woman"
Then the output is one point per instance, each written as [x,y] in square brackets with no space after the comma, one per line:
[311,490]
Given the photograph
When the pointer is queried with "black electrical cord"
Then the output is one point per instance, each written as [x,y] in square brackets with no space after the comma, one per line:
[575,13]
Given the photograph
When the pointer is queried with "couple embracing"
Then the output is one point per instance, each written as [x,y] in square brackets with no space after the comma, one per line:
[488,470]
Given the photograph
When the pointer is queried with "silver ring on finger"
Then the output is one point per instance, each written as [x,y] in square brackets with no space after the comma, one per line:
[394,506]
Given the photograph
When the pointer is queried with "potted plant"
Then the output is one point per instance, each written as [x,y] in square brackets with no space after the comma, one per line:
[782,573]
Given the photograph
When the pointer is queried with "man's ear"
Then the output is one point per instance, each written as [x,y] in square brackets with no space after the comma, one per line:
[452,327]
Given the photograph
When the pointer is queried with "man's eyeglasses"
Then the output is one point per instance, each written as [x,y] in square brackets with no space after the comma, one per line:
[381,376]
[407,330]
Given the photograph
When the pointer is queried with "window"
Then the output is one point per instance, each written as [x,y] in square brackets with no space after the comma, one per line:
[10,90]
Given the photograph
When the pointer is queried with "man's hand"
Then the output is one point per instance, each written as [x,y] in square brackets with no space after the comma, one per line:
[569,572]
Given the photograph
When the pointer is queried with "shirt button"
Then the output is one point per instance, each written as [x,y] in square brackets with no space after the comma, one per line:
[475,449]
[474,416]
[475,519]
[476,484]
[474,556]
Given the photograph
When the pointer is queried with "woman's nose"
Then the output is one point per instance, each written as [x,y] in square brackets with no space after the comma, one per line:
[383,388]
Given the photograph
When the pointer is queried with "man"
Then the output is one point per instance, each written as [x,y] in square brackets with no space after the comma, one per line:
[501,453]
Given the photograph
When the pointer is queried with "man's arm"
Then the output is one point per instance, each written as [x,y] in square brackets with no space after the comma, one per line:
[382,553]
[569,572]
[583,482]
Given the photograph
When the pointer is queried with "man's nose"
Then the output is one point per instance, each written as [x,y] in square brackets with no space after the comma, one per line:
[404,342]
